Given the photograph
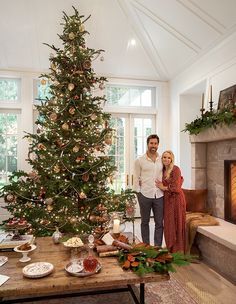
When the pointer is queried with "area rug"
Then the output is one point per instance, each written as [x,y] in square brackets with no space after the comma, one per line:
[168,292]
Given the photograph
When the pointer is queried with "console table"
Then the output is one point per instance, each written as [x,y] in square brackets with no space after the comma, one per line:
[111,278]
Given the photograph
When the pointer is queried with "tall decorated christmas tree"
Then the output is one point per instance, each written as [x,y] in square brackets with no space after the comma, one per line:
[68,186]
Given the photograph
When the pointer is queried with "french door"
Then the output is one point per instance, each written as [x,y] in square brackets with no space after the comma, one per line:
[131,132]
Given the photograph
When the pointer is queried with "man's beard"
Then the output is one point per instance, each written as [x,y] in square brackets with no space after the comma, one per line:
[153,150]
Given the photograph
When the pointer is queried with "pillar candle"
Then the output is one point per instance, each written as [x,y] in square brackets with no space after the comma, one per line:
[202,100]
[116,226]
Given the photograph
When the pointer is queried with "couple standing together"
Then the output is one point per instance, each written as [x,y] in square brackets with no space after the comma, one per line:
[158,184]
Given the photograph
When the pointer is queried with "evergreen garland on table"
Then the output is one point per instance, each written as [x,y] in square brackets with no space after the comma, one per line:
[71,171]
[143,259]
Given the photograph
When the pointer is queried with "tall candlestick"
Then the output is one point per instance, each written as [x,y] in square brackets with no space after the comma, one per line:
[116,226]
[202,100]
[210,92]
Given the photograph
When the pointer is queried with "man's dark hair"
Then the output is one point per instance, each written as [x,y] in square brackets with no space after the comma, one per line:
[152,136]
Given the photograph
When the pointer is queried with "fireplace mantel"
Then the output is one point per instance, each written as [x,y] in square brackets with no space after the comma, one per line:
[223,132]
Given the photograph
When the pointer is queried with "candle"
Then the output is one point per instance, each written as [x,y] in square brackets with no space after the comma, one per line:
[116,226]
[210,92]
[202,100]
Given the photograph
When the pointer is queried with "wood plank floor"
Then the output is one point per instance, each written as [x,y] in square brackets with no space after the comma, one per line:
[207,286]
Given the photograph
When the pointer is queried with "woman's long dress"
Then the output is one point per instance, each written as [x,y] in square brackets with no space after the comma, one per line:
[174,212]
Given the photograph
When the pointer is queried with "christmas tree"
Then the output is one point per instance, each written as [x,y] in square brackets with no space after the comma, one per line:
[71,172]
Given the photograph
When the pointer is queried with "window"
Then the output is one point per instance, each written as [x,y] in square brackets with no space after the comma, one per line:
[41,91]
[8,145]
[9,90]
[130,96]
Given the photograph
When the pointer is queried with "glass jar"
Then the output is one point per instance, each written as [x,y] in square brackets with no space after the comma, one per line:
[117,223]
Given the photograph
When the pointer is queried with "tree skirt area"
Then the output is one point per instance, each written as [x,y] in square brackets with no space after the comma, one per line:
[169,292]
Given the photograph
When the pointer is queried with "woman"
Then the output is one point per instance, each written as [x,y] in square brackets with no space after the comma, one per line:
[174,204]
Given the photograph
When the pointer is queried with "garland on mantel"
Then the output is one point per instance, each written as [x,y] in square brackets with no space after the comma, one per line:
[211,119]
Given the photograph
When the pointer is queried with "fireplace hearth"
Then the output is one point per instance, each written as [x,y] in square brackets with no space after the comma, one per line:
[230,190]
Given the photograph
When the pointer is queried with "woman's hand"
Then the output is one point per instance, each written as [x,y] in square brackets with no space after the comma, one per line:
[160,185]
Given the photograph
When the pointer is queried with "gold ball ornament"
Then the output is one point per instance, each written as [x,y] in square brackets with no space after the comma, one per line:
[75,149]
[71,86]
[82,195]
[65,127]
[53,116]
[73,220]
[71,36]
[43,81]
[93,218]
[81,28]
[49,201]
[49,208]
[53,66]
[93,116]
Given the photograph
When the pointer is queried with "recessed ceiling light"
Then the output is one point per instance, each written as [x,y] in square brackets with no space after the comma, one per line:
[133,42]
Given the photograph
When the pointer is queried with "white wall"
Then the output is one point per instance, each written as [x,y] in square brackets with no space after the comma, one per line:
[189,106]
[216,68]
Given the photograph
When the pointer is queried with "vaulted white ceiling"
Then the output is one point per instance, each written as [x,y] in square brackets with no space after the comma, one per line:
[144,39]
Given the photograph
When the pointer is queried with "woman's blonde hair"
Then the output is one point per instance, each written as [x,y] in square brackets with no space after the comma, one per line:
[171,166]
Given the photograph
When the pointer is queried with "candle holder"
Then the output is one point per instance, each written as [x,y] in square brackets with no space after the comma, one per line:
[117,223]
[211,105]
[202,111]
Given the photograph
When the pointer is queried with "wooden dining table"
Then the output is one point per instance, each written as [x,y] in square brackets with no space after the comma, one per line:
[59,284]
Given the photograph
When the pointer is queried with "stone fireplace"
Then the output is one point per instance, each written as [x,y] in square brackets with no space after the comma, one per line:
[211,150]
[230,190]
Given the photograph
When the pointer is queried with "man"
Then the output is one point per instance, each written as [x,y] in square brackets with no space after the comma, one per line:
[147,169]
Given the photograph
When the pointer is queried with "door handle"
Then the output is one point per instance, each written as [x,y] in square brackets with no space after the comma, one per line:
[127,180]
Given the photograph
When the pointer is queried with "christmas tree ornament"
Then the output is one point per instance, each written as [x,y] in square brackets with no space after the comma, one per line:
[49,208]
[73,220]
[82,195]
[75,149]
[56,169]
[76,97]
[41,146]
[43,82]
[108,140]
[101,86]
[49,201]
[65,127]
[53,67]
[53,116]
[79,159]
[71,36]
[93,116]
[81,28]
[9,198]
[72,110]
[71,86]
[87,64]
[85,177]
[57,235]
